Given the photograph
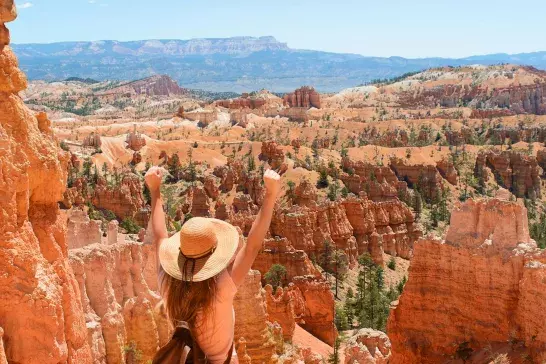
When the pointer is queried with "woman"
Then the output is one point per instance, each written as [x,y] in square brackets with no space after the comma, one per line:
[201,267]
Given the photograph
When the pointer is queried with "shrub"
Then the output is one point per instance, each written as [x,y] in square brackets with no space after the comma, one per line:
[130,226]
[275,275]
[392,264]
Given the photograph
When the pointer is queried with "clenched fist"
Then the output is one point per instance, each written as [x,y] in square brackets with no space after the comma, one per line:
[272,182]
[153,178]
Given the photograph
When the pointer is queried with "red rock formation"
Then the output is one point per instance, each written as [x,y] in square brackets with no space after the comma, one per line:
[280,251]
[76,195]
[92,140]
[197,202]
[229,175]
[379,182]
[203,116]
[386,226]
[517,98]
[157,85]
[119,306]
[427,177]
[137,158]
[490,113]
[124,200]
[484,285]
[541,160]
[513,170]
[273,154]
[305,194]
[250,320]
[41,312]
[280,310]
[242,103]
[319,308]
[81,230]
[368,346]
[305,97]
[135,141]
[308,229]
[448,171]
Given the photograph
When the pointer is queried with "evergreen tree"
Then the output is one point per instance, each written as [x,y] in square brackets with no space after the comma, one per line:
[334,357]
[275,276]
[417,204]
[174,167]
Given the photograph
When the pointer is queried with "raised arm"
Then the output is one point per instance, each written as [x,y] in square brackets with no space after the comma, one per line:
[245,258]
[157,220]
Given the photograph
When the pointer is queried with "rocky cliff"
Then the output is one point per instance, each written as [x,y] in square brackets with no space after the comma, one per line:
[119,306]
[513,170]
[124,200]
[41,312]
[483,285]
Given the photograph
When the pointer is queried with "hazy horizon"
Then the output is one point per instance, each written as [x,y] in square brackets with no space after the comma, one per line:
[418,29]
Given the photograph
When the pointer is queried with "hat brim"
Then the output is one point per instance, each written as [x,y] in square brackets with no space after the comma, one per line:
[173,262]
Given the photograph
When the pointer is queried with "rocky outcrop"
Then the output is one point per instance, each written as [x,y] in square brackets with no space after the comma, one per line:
[368,346]
[119,305]
[203,116]
[517,98]
[41,312]
[280,251]
[426,177]
[273,154]
[158,85]
[135,140]
[198,202]
[124,200]
[382,227]
[250,320]
[488,248]
[308,229]
[92,140]
[318,316]
[541,160]
[448,171]
[305,97]
[137,158]
[81,230]
[229,175]
[379,182]
[513,170]
[280,309]
[243,102]
[77,195]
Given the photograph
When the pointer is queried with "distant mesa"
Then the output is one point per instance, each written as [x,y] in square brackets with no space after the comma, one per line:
[230,64]
[88,81]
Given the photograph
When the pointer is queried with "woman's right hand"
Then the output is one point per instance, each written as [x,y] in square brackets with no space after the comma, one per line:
[153,178]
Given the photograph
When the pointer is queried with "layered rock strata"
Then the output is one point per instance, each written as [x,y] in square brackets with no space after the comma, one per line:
[513,170]
[41,311]
[483,285]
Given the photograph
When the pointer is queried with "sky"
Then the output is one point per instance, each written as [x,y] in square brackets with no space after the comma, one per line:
[413,29]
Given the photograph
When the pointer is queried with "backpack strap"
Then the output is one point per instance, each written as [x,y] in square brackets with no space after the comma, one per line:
[228,360]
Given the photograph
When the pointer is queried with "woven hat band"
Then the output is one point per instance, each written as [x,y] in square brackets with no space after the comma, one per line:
[201,255]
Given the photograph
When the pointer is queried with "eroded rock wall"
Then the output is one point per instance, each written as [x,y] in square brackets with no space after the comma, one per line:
[41,311]
[482,285]
[120,308]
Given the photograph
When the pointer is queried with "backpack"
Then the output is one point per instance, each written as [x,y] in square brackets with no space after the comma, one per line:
[182,349]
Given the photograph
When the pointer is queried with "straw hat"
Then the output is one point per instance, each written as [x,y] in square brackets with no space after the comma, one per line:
[202,249]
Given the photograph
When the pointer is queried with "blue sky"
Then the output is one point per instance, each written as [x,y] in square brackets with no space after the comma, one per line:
[373,28]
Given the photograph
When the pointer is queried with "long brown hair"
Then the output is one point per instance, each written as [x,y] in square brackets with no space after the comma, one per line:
[184,300]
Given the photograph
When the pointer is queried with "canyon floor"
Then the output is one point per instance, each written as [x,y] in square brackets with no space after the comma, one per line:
[411,226]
